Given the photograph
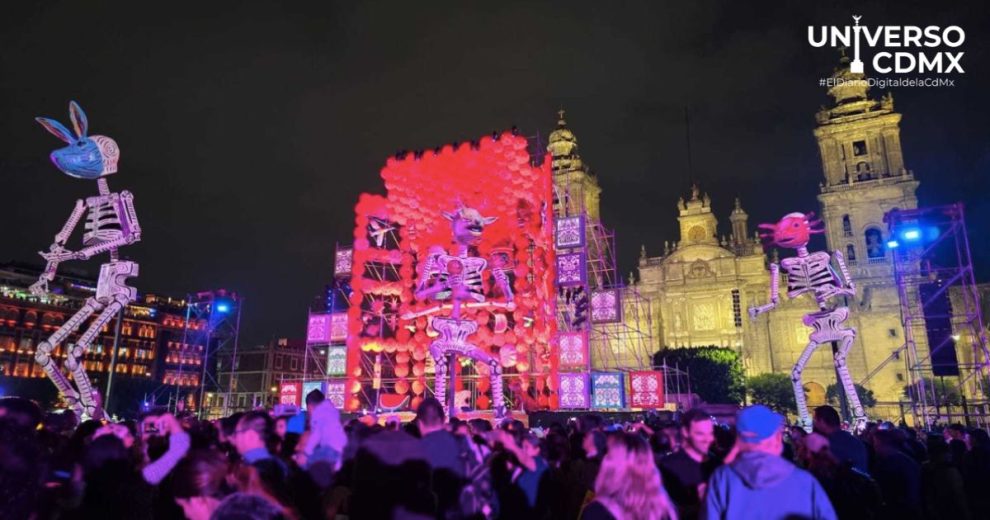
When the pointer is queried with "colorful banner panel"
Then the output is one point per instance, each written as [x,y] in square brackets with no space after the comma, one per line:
[343,262]
[338,327]
[290,393]
[336,361]
[335,393]
[608,390]
[573,350]
[569,232]
[571,269]
[646,389]
[318,329]
[606,306]
[574,390]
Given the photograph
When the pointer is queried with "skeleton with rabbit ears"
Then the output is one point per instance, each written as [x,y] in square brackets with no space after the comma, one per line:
[111,223]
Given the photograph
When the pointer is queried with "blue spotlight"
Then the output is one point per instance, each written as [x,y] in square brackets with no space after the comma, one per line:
[911,234]
[223,307]
[892,244]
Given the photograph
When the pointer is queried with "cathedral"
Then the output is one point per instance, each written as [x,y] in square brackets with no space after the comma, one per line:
[699,290]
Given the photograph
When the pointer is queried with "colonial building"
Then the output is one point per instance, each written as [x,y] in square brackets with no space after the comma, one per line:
[702,285]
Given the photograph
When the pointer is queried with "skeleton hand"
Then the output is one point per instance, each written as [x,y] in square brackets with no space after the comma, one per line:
[80,255]
[56,253]
[39,288]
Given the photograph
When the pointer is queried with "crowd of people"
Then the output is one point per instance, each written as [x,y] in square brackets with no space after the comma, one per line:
[314,465]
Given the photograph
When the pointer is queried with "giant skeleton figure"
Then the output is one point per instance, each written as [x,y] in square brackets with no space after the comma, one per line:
[812,273]
[458,278]
[110,223]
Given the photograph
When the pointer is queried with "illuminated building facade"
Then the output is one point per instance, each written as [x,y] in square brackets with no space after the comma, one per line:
[151,353]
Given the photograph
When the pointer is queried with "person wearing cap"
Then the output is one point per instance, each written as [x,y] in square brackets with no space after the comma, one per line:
[759,483]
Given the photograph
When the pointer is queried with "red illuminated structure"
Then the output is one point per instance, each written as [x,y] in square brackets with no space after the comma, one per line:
[388,361]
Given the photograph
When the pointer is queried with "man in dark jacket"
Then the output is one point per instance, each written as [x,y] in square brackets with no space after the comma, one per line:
[760,483]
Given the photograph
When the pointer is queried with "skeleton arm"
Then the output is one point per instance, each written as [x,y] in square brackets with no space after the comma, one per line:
[57,252]
[774,293]
[849,286]
[502,280]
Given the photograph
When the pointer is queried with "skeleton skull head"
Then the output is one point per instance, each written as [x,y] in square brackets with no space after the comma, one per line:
[86,156]
[792,231]
[467,225]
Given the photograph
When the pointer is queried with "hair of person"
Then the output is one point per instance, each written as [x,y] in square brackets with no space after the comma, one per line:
[202,473]
[956,427]
[102,451]
[248,506]
[229,424]
[590,421]
[22,412]
[889,438]
[260,422]
[692,416]
[480,425]
[827,415]
[630,481]
[980,438]
[314,398]
[430,412]
[598,439]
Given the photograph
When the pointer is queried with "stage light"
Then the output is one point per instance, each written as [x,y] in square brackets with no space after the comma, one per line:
[223,307]
[911,234]
[956,337]
[892,244]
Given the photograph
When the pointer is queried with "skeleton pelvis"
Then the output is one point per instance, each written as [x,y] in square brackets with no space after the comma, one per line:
[828,325]
[112,281]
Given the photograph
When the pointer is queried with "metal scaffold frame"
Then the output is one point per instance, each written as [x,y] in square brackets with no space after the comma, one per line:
[221,312]
[932,261]
[626,344]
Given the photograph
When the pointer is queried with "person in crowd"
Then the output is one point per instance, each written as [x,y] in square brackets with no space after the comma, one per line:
[200,483]
[842,444]
[448,454]
[976,471]
[898,475]
[759,483]
[629,486]
[942,483]
[686,471]
[853,493]
[254,439]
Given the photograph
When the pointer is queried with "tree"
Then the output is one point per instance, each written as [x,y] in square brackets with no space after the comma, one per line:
[773,390]
[716,372]
[866,397]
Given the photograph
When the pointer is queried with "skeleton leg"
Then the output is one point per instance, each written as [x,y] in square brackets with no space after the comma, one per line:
[44,353]
[802,404]
[78,369]
[849,336]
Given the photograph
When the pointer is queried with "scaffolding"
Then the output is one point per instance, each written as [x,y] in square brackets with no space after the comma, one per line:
[619,340]
[940,307]
[213,320]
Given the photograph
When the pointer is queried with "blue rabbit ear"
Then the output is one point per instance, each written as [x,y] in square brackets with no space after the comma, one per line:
[79,121]
[56,129]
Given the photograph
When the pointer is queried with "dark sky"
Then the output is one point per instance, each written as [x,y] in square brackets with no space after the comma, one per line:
[249,128]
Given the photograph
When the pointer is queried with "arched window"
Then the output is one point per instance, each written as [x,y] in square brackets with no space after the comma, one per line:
[874,243]
[851,254]
[847,227]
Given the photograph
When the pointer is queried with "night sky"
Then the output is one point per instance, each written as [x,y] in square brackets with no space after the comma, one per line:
[248,129]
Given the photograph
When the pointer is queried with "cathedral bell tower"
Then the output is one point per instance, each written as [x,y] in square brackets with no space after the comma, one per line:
[860,147]
[575,186]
